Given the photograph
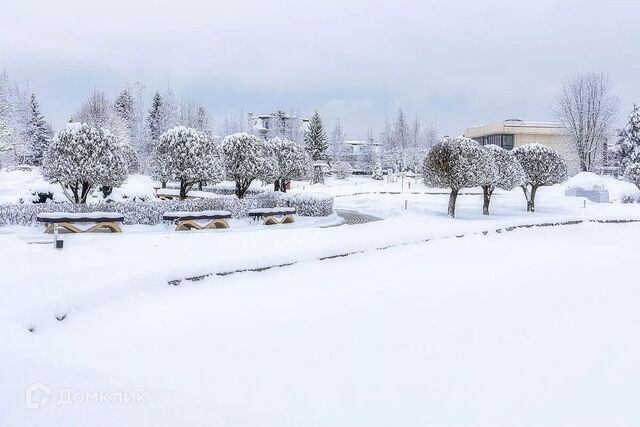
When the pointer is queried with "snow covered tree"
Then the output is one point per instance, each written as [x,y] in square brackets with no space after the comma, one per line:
[81,157]
[131,157]
[342,169]
[338,149]
[632,172]
[628,144]
[509,174]
[316,139]
[542,166]
[458,163]
[187,156]
[98,112]
[38,133]
[123,106]
[246,158]
[293,162]
[369,157]
[587,108]
[155,118]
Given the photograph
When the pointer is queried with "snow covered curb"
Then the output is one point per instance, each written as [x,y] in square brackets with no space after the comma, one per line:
[176,282]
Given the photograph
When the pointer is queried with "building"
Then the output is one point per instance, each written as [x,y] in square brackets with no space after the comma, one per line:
[279,124]
[513,133]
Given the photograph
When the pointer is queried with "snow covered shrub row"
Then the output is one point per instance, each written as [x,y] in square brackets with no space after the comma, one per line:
[150,212]
[146,213]
[313,204]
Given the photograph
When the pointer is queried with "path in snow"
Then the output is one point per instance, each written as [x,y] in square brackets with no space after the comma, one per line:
[353,217]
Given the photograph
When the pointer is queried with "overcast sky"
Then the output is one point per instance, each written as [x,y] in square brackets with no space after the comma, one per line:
[454,63]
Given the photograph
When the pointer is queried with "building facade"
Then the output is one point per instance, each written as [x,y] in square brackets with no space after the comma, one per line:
[279,124]
[512,133]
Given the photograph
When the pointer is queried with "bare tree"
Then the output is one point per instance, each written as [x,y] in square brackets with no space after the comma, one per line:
[586,108]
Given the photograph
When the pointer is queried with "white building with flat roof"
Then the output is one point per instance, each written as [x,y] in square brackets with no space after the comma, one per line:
[512,133]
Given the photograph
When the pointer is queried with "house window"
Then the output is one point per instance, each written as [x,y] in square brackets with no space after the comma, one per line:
[504,140]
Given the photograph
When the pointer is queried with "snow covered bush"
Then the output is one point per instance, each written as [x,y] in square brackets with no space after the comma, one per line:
[458,163]
[342,169]
[313,204]
[509,174]
[292,160]
[81,157]
[246,158]
[377,175]
[187,156]
[632,172]
[542,166]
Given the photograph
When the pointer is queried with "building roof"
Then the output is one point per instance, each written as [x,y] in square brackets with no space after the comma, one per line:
[514,126]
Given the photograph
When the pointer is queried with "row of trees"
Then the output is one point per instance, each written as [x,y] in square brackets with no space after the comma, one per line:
[83,157]
[458,163]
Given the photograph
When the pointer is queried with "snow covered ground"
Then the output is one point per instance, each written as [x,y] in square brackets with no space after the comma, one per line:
[527,333]
[530,327]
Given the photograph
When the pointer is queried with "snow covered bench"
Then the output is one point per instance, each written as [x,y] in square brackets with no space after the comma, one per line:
[66,220]
[188,220]
[270,214]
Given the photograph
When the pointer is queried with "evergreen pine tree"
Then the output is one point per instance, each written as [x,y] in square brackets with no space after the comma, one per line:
[38,133]
[316,139]
[155,118]
[628,145]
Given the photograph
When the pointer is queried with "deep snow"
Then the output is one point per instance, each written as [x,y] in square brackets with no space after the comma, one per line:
[526,333]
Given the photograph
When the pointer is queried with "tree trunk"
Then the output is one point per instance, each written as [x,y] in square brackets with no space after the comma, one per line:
[487,191]
[74,191]
[242,185]
[452,203]
[276,184]
[531,206]
[526,195]
[86,187]
[185,187]
[283,185]
[164,184]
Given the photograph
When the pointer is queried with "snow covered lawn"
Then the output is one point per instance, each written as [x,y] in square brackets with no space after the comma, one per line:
[532,327]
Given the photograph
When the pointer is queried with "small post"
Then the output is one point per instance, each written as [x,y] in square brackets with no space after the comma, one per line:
[409,182]
[405,204]
[584,204]
[57,244]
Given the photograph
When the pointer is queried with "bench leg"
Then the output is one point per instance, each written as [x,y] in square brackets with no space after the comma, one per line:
[217,223]
[288,219]
[187,224]
[111,226]
[271,220]
[190,224]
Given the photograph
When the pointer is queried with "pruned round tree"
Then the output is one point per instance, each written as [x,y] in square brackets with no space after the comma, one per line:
[246,158]
[81,157]
[542,166]
[185,155]
[458,163]
[292,161]
[509,174]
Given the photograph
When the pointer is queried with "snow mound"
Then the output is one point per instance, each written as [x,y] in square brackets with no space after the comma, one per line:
[588,181]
